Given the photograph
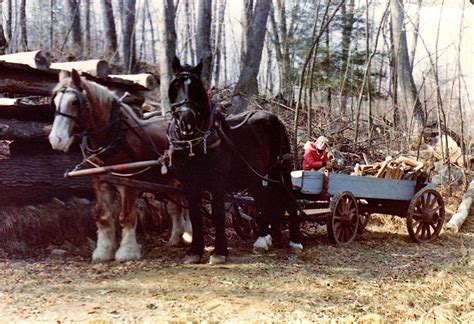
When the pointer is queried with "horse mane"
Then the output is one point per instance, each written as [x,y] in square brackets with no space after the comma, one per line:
[102,95]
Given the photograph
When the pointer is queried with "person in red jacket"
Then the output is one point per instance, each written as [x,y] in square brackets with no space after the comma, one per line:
[315,154]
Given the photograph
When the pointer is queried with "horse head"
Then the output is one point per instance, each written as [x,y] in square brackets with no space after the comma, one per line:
[76,101]
[190,105]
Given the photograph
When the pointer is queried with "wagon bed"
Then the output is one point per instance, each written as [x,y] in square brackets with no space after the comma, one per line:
[351,199]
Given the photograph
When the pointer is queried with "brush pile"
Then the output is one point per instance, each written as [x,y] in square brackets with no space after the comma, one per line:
[401,168]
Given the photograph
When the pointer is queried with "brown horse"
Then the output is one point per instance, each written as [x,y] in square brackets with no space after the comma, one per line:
[111,133]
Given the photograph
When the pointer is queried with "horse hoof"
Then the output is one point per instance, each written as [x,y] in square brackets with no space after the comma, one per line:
[262,244]
[192,259]
[102,255]
[187,238]
[296,247]
[217,259]
[128,253]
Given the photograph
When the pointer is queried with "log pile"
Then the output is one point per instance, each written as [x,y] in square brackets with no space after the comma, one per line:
[30,172]
[401,168]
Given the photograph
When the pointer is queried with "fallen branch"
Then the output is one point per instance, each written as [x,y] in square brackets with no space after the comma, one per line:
[458,219]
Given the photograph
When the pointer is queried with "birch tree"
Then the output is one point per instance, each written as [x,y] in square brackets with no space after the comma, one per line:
[167,37]
[75,41]
[252,54]
[203,43]
[3,40]
[110,41]
[23,29]
[408,91]
[128,32]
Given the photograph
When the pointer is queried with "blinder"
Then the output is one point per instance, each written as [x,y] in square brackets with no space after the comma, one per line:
[79,96]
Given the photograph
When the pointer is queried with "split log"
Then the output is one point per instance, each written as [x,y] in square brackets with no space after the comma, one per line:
[383,167]
[97,68]
[12,129]
[35,59]
[458,219]
[31,179]
[147,80]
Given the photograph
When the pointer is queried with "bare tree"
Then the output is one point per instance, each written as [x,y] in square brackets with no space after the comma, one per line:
[167,36]
[203,43]
[252,54]
[220,35]
[110,41]
[51,25]
[408,91]
[22,22]
[74,14]
[128,32]
[87,28]
[3,40]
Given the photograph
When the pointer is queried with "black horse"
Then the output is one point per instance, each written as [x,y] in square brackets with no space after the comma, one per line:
[250,151]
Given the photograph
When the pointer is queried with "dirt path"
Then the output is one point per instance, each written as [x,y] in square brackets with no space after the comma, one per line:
[382,276]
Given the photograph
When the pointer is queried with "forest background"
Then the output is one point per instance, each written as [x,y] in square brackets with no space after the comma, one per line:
[361,64]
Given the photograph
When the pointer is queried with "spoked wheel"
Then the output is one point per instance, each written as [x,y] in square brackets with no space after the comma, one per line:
[243,221]
[343,220]
[425,216]
[363,221]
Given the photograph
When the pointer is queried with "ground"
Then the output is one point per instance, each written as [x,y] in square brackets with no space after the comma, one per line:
[381,276]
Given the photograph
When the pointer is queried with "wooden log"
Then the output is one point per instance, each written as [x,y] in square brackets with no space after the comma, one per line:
[12,129]
[31,179]
[458,219]
[22,79]
[97,68]
[147,80]
[20,109]
[35,59]
[383,167]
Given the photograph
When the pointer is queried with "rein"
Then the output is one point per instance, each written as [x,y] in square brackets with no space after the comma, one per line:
[118,127]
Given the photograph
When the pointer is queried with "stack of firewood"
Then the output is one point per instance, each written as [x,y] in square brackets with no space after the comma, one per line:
[399,168]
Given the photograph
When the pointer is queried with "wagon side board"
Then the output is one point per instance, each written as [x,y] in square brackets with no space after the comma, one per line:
[311,182]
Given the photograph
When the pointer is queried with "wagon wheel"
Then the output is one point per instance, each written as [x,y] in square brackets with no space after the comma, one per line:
[343,220]
[363,221]
[243,221]
[425,216]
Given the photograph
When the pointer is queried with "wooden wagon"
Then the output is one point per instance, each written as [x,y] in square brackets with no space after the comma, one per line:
[351,199]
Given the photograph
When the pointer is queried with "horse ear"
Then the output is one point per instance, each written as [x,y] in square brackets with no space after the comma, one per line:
[198,69]
[63,74]
[76,79]
[176,65]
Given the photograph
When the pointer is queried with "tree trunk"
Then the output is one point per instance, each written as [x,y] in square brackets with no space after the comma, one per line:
[87,28]
[128,32]
[152,30]
[29,179]
[416,25]
[74,13]
[408,89]
[9,22]
[220,35]
[3,40]
[167,35]
[110,41]
[203,48]
[15,130]
[23,33]
[247,83]
[51,25]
